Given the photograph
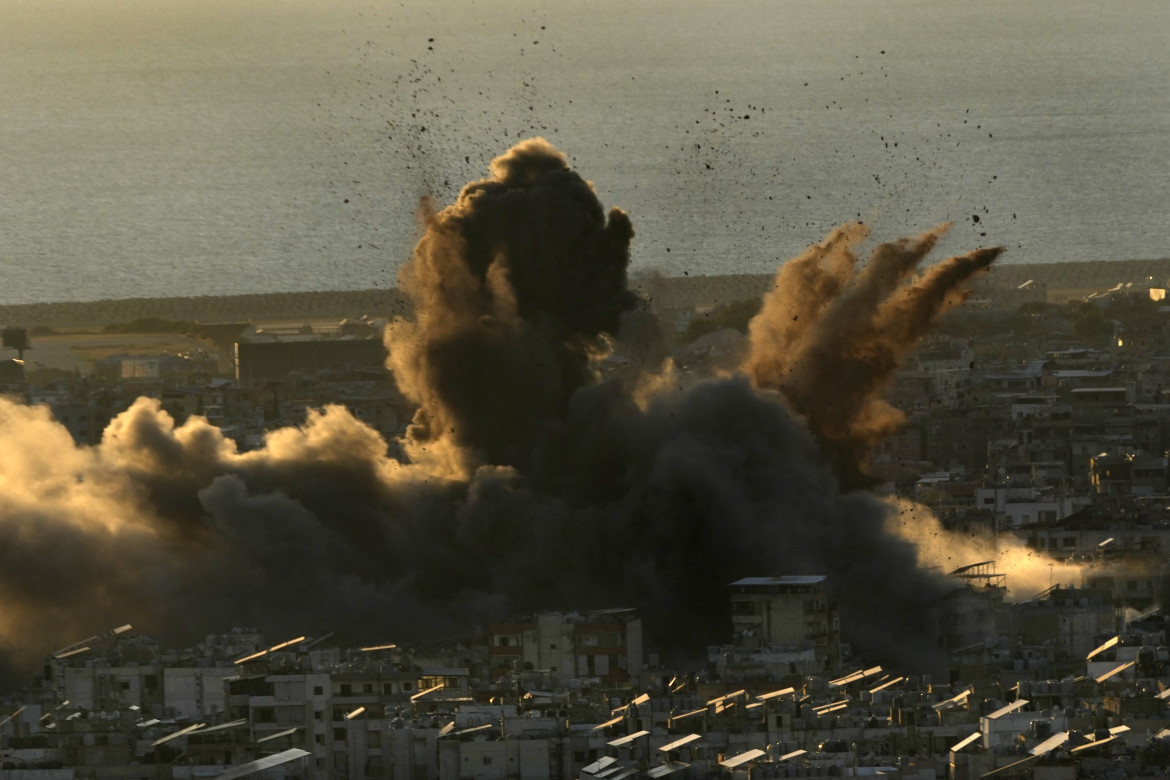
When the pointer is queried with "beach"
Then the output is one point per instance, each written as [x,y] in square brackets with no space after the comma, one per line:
[666,293]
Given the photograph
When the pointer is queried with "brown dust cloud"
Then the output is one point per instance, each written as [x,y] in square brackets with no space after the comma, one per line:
[529,480]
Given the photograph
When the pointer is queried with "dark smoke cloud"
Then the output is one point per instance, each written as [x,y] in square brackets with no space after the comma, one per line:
[531,483]
[513,286]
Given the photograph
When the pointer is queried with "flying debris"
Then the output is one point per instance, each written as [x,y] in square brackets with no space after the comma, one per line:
[525,467]
[513,287]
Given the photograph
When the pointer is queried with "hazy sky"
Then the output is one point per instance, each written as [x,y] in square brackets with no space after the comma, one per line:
[182,147]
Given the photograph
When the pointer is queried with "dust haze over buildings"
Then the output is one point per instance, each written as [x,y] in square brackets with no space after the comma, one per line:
[215,147]
[530,482]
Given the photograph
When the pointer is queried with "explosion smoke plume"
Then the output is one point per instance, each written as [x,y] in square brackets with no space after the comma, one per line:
[512,288]
[830,335]
[1029,571]
[530,482]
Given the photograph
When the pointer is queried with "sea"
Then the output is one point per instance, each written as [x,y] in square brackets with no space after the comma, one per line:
[156,148]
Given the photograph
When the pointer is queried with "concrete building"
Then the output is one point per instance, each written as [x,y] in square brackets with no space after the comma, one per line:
[792,610]
[1129,474]
[550,646]
[273,359]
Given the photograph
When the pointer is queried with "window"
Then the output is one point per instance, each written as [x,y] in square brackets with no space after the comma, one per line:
[346,689]
[407,686]
[339,734]
[319,739]
[318,690]
[487,760]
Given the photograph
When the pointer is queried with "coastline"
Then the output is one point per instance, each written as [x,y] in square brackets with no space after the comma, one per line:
[666,293]
[254,307]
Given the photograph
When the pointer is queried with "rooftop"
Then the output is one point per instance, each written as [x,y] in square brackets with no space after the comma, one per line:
[806,579]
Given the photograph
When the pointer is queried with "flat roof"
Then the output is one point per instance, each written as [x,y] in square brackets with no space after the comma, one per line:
[742,758]
[807,579]
[620,741]
[1015,705]
[599,765]
[277,735]
[965,741]
[1050,744]
[662,770]
[221,727]
[252,767]
[679,743]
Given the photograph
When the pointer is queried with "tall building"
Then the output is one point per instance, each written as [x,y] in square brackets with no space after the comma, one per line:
[793,611]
